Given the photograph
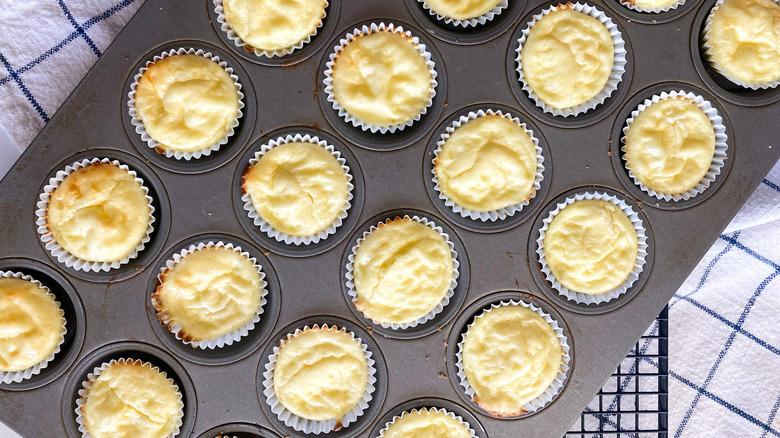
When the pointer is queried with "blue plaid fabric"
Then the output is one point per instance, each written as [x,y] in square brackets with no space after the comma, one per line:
[44,55]
[724,339]
[724,336]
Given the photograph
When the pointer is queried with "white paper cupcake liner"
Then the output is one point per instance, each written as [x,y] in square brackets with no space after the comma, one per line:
[139,124]
[721,148]
[273,232]
[311,426]
[18,376]
[501,213]
[366,30]
[92,377]
[583,298]
[618,66]
[709,55]
[469,22]
[631,5]
[452,415]
[239,42]
[60,253]
[555,387]
[175,328]
[350,275]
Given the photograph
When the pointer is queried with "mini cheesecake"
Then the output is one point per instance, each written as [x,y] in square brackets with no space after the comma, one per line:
[567,57]
[591,246]
[320,373]
[298,188]
[31,324]
[669,146]
[187,103]
[487,164]
[130,399]
[99,213]
[510,355]
[382,79]
[402,271]
[210,292]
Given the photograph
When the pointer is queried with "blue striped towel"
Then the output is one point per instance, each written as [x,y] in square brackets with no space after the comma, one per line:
[724,337]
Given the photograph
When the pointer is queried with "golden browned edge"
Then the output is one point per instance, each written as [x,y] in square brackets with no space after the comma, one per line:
[244,176]
[497,414]
[251,49]
[162,314]
[51,196]
[158,149]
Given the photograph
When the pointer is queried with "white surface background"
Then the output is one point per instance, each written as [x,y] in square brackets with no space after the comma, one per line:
[9,152]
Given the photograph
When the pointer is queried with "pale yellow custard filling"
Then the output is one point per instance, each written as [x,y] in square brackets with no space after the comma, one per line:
[31,324]
[210,292]
[651,4]
[745,40]
[131,400]
[381,79]
[274,25]
[487,164]
[99,213]
[426,424]
[511,355]
[591,246]
[298,188]
[670,145]
[402,270]
[320,374]
[567,57]
[462,9]
[186,102]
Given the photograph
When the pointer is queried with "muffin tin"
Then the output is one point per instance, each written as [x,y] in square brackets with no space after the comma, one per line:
[109,314]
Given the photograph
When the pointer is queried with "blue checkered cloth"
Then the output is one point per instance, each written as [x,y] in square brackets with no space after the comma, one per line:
[724,338]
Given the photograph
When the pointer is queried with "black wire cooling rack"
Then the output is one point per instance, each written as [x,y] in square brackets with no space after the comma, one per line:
[634,401]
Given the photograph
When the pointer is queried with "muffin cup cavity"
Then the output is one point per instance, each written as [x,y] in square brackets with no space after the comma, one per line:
[707,48]
[270,230]
[657,10]
[501,213]
[469,22]
[350,275]
[367,30]
[583,298]
[452,415]
[19,376]
[92,377]
[311,426]
[57,251]
[176,329]
[555,387]
[240,43]
[139,124]
[721,147]
[618,65]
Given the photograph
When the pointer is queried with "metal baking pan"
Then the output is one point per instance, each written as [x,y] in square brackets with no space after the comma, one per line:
[109,315]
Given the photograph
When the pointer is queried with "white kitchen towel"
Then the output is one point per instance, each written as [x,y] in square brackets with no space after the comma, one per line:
[724,336]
